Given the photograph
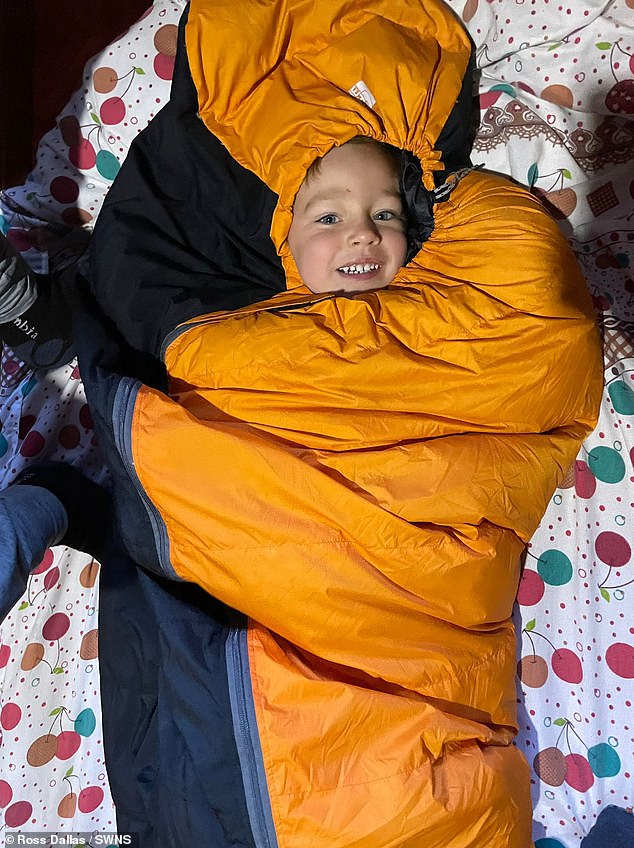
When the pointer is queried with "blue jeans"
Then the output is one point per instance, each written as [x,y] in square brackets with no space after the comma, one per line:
[614,828]
[31,519]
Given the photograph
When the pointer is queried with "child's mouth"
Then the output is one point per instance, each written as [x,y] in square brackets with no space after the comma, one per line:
[360,269]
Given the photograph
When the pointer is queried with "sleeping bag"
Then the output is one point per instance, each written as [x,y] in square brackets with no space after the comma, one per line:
[322,500]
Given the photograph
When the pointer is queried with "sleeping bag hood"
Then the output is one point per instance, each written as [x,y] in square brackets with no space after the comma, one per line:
[355,476]
[312,76]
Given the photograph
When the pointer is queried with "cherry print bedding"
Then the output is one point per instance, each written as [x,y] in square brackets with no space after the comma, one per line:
[556,88]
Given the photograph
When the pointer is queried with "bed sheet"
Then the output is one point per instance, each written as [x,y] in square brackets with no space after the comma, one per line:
[557,102]
[556,92]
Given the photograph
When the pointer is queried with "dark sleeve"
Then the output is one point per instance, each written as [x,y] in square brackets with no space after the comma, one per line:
[41,336]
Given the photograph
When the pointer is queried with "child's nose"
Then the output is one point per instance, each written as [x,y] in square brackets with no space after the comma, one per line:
[365,232]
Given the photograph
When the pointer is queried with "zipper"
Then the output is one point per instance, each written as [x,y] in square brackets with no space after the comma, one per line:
[247,739]
[122,412]
[214,317]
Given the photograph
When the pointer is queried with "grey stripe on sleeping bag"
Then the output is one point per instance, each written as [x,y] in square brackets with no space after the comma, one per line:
[122,414]
[245,728]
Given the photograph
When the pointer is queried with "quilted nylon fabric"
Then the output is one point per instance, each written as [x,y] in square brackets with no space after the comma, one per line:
[359,476]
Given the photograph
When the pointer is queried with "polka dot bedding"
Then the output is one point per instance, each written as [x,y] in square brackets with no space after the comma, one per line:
[124,87]
[52,771]
[556,87]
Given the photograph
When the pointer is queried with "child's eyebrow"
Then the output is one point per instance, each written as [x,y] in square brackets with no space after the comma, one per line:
[324,197]
[335,194]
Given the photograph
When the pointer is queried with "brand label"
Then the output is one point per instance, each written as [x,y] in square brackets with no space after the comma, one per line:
[23,325]
[362,93]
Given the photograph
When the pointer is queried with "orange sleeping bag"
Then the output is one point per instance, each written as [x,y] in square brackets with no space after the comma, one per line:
[359,475]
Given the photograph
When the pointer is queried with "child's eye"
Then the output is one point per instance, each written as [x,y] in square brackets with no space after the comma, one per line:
[387,215]
[328,219]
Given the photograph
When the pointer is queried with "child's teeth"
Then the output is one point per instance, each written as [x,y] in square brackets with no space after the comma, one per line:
[359,269]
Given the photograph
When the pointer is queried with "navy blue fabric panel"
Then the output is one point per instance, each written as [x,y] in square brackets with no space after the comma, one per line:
[105,361]
[129,662]
[168,732]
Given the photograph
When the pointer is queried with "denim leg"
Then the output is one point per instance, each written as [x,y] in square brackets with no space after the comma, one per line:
[614,828]
[31,519]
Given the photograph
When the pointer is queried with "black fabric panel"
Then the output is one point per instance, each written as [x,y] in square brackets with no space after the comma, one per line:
[104,358]
[184,229]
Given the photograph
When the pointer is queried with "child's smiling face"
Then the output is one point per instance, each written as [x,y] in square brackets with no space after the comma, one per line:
[348,232]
